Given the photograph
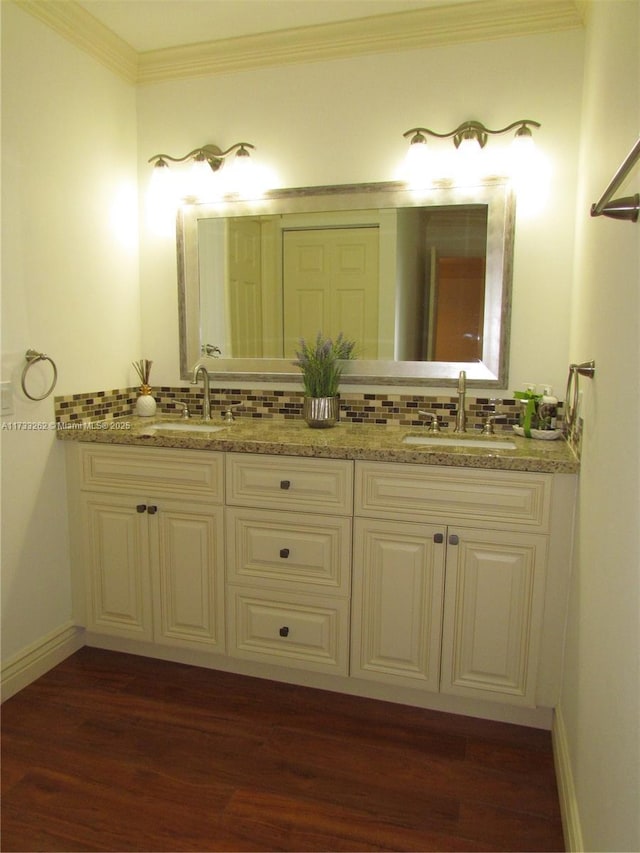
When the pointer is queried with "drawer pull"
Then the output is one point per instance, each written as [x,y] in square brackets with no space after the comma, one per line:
[284,553]
[152,510]
[438,538]
[141,508]
[454,539]
[285,484]
[284,631]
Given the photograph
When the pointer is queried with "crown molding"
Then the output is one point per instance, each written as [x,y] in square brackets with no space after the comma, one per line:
[74,23]
[435,26]
[584,9]
[432,27]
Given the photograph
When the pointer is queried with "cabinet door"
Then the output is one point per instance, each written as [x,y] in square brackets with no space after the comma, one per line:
[494,601]
[398,578]
[188,574]
[116,550]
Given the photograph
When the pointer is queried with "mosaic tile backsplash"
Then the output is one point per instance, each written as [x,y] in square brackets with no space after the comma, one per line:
[400,409]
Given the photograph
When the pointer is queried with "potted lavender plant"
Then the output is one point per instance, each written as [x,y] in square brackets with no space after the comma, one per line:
[321,372]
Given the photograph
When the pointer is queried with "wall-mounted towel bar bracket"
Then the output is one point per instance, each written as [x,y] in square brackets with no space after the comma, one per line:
[572,395]
[620,208]
[587,368]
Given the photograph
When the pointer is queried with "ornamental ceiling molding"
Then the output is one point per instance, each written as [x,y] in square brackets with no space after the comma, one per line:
[75,24]
[432,27]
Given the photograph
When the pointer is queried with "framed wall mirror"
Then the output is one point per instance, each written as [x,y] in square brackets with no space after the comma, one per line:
[420,280]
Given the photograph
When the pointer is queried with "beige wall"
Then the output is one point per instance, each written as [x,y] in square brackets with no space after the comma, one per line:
[70,280]
[600,704]
[69,288]
[342,122]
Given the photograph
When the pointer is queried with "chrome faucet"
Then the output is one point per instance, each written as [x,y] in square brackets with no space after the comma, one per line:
[200,367]
[461,414]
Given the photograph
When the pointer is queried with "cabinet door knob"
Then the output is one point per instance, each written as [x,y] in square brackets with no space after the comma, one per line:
[285,484]
[438,538]
[152,510]
[454,539]
[141,508]
[284,631]
[284,553]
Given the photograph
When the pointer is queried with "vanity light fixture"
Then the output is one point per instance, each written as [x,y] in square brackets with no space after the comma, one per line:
[469,139]
[208,180]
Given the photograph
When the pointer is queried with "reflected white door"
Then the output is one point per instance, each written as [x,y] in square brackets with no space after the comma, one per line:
[331,285]
[244,288]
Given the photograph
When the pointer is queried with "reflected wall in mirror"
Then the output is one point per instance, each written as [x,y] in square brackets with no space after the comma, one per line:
[421,282]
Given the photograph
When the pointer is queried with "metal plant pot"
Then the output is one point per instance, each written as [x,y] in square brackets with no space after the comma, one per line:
[321,412]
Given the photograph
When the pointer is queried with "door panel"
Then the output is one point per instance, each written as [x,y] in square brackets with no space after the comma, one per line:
[117,553]
[459,309]
[330,278]
[244,288]
[494,601]
[398,579]
[189,592]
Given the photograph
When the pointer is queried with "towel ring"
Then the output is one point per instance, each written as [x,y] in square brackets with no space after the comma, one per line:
[32,357]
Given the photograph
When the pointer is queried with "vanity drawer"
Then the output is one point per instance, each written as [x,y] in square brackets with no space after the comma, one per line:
[149,470]
[511,500]
[278,549]
[288,482]
[289,629]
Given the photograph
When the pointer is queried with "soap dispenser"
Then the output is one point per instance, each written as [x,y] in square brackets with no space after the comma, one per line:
[548,409]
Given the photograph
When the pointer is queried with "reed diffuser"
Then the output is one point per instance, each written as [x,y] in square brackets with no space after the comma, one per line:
[145,404]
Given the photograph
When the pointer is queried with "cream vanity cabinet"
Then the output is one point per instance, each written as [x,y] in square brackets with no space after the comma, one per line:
[288,539]
[390,579]
[150,543]
[449,578]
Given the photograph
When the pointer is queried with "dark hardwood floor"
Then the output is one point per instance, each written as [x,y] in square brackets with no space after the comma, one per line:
[116,752]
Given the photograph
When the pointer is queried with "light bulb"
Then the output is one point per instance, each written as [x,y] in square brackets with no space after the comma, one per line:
[522,154]
[240,176]
[417,166]
[163,183]
[469,165]
[162,199]
[530,178]
[203,184]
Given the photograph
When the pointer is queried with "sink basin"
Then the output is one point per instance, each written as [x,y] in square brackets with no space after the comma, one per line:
[185,426]
[455,441]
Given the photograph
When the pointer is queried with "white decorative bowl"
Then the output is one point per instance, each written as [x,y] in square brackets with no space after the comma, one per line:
[544,434]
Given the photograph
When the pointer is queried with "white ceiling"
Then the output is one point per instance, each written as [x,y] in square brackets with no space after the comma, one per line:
[155,24]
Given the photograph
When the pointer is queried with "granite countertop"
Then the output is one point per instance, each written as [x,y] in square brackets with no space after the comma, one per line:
[344,441]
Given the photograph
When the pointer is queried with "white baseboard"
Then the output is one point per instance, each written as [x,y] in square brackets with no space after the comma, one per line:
[39,658]
[566,788]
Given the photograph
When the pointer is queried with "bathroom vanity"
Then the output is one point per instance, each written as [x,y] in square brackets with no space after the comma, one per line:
[344,558]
